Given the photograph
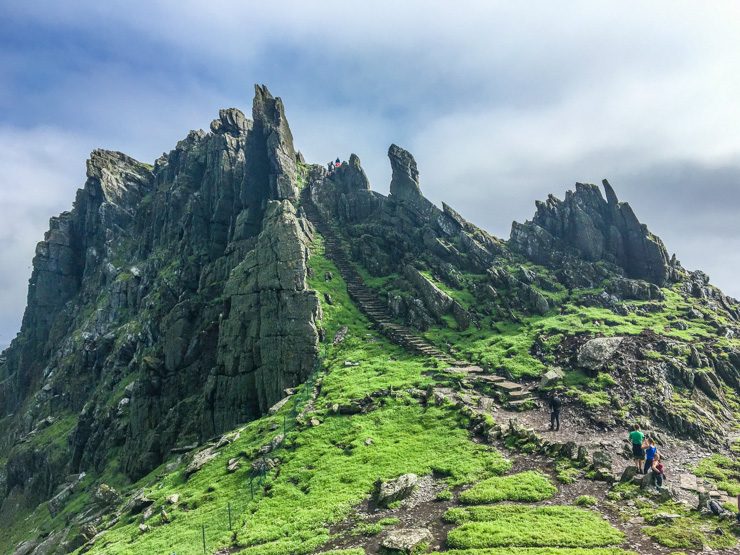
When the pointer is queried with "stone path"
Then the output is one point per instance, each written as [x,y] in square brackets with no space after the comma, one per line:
[367,300]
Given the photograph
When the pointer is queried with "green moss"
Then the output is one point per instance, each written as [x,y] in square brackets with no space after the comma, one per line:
[522,526]
[691,533]
[722,470]
[542,551]
[444,495]
[585,501]
[524,486]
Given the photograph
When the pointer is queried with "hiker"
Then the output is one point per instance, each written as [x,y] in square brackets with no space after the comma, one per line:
[337,163]
[650,453]
[555,404]
[658,471]
[331,166]
[638,453]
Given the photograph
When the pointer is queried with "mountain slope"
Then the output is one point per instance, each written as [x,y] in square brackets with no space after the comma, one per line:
[176,303]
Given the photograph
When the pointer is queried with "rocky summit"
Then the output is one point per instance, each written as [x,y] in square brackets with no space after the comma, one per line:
[234,350]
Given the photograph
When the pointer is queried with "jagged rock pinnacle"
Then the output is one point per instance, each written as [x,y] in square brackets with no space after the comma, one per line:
[405,180]
[231,120]
[270,121]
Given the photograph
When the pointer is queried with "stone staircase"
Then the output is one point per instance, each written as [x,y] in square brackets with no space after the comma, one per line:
[377,311]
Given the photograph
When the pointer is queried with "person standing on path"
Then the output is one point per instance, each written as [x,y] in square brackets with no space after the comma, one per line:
[555,405]
[638,453]
[651,452]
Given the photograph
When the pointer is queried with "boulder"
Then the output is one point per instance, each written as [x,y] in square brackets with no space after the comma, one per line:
[200,459]
[601,459]
[106,496]
[594,354]
[395,490]
[233,465]
[138,503]
[551,377]
[406,540]
[628,474]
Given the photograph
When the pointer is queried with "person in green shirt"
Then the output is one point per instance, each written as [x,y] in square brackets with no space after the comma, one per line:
[638,453]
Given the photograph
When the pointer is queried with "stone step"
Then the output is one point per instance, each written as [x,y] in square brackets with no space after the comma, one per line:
[491,378]
[518,394]
[507,386]
[519,402]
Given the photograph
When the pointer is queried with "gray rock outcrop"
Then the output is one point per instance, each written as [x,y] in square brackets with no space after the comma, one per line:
[587,226]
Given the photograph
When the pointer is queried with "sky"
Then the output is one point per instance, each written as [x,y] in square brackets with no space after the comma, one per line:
[501,103]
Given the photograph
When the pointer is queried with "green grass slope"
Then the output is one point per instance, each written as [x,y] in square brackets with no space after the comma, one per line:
[325,467]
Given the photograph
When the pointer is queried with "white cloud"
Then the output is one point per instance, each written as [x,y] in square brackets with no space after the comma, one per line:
[501,102]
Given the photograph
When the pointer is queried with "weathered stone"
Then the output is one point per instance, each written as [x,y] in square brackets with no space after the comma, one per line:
[628,474]
[594,229]
[551,377]
[233,465]
[405,180]
[200,459]
[595,353]
[395,490]
[405,540]
[105,496]
[601,459]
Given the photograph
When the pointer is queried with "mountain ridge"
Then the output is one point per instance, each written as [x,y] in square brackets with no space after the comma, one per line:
[176,302]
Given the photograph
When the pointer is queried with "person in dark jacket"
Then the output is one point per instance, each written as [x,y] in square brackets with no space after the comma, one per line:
[555,405]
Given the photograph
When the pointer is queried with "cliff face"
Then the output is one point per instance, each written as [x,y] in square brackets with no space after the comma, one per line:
[172,304]
[167,306]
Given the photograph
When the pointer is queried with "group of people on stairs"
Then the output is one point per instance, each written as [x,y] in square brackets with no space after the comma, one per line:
[644,450]
[646,456]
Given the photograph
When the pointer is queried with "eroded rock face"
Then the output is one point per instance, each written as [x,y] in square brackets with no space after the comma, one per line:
[594,229]
[180,288]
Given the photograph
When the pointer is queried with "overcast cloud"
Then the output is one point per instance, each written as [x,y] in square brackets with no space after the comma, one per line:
[500,102]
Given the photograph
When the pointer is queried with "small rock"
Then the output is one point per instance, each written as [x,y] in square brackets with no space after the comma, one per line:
[164,517]
[551,377]
[148,513]
[173,499]
[106,496]
[143,528]
[405,540]
[200,459]
[314,422]
[369,441]
[233,465]
[277,406]
[395,490]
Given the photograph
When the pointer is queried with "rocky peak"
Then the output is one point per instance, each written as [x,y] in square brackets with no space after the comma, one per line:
[350,176]
[405,179]
[270,122]
[231,120]
[121,180]
[587,226]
